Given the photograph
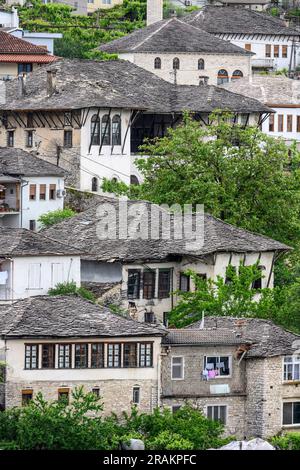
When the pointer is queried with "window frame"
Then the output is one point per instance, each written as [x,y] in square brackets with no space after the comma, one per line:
[188,281]
[143,357]
[95,130]
[26,392]
[289,123]
[280,123]
[137,291]
[29,139]
[182,367]
[284,51]
[217,406]
[68,139]
[268,51]
[149,287]
[10,138]
[116,130]
[83,357]
[157,63]
[136,388]
[130,365]
[271,123]
[64,345]
[42,192]
[52,192]
[32,194]
[100,356]
[53,359]
[295,362]
[163,293]
[31,345]
[176,63]
[113,356]
[201,64]
[105,130]
[291,425]
[229,356]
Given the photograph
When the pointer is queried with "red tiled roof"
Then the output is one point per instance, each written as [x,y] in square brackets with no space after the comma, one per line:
[29,58]
[11,45]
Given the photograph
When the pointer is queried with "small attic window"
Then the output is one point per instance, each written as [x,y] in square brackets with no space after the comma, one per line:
[157,63]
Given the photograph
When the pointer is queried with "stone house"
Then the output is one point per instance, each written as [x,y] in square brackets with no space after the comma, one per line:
[282,95]
[145,267]
[274,44]
[243,372]
[29,187]
[18,56]
[92,123]
[31,264]
[182,53]
[54,344]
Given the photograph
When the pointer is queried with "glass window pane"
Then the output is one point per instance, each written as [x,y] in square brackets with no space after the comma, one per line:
[287,413]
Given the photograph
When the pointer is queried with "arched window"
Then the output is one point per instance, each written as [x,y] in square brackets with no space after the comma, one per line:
[237,74]
[201,64]
[134,180]
[176,63]
[222,77]
[105,130]
[157,63]
[95,130]
[116,130]
[95,184]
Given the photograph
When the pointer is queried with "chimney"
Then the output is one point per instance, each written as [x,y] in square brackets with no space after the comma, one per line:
[51,82]
[22,85]
[154,11]
[203,80]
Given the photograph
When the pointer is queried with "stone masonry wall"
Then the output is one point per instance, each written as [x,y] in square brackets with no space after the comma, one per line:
[116,394]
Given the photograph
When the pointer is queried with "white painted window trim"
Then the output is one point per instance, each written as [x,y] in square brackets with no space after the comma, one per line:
[230,367]
[177,357]
[218,404]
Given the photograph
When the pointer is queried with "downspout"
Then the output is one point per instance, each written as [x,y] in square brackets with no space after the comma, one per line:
[159,376]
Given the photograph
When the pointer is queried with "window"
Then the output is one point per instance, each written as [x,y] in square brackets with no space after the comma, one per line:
[29,139]
[68,118]
[64,356]
[257,284]
[27,396]
[57,274]
[237,74]
[136,395]
[96,391]
[166,319]
[114,355]
[68,139]
[217,413]
[291,413]
[134,180]
[64,395]
[34,276]
[105,130]
[81,356]
[284,52]
[149,317]
[280,122]
[184,282]
[97,355]
[31,356]
[52,192]
[157,63]
[291,368]
[222,77]
[248,47]
[217,366]
[130,355]
[32,192]
[29,120]
[48,356]
[164,281]
[133,286]
[177,368]
[24,68]
[176,63]
[116,130]
[175,408]
[244,118]
[146,354]
[32,225]
[95,130]
[298,123]
[276,51]
[268,50]
[10,138]
[94,184]
[271,123]
[148,284]
[42,192]
[289,123]
[201,64]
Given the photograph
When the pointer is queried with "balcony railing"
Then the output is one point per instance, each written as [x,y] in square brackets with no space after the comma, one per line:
[263,63]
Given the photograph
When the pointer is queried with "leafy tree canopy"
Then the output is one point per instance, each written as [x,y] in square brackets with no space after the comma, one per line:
[54,217]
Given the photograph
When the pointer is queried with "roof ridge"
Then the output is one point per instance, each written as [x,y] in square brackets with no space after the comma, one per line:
[153,33]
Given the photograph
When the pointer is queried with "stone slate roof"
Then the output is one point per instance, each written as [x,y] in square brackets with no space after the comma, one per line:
[84,229]
[271,90]
[23,242]
[267,338]
[208,337]
[118,84]
[238,20]
[172,35]
[68,316]
[17,162]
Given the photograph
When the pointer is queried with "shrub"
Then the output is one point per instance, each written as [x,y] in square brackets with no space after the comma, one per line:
[169,441]
[66,288]
[289,441]
[54,217]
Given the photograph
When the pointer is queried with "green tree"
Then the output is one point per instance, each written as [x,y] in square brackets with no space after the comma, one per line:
[235,297]
[54,217]
[241,175]
[71,288]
